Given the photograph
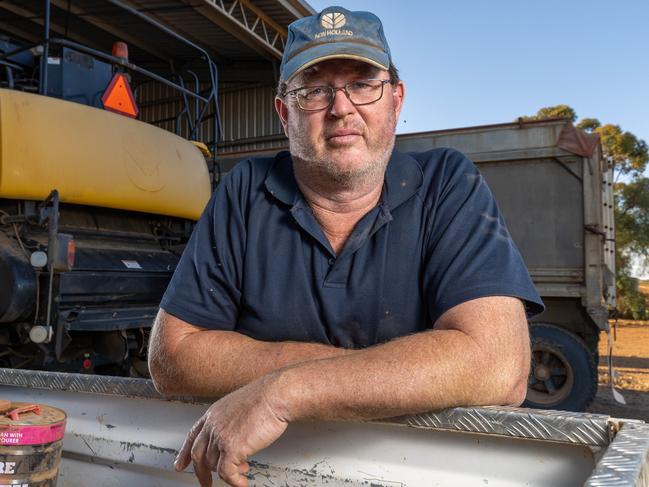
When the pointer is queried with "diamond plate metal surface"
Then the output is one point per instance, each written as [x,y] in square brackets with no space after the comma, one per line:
[562,426]
[580,428]
[96,384]
[626,461]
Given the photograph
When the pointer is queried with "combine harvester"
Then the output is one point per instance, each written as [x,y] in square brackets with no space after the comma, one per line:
[95,206]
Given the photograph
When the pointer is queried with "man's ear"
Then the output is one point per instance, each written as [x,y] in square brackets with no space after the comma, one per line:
[398,94]
[282,111]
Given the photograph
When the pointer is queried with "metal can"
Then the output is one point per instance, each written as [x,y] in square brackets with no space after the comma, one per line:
[31,438]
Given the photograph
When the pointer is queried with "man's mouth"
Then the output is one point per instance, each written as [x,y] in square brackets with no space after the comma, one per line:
[343,136]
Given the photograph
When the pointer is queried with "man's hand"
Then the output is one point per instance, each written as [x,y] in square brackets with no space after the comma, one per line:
[232,429]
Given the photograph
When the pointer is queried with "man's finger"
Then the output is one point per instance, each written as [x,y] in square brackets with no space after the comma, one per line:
[202,469]
[228,470]
[212,453]
[203,474]
[244,468]
[184,455]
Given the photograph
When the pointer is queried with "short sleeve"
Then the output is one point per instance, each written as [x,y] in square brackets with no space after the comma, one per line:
[470,253]
[205,289]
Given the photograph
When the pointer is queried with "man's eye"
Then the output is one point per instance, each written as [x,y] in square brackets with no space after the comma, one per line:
[311,93]
[360,86]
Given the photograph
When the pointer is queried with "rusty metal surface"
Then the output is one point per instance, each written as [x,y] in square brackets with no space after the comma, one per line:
[626,461]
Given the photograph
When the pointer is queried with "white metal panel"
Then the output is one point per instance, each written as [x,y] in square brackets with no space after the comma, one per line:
[116,440]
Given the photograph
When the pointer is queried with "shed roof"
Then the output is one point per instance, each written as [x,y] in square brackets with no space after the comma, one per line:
[242,36]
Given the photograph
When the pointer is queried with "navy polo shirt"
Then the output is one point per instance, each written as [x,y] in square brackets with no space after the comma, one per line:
[259,263]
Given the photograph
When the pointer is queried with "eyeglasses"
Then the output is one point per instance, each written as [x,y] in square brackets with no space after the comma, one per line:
[359,92]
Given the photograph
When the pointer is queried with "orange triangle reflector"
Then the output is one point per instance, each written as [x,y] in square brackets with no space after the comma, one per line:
[119,98]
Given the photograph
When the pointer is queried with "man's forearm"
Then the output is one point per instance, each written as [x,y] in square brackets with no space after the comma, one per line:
[478,354]
[423,372]
[213,363]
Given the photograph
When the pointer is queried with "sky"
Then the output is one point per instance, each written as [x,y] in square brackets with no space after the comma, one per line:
[477,62]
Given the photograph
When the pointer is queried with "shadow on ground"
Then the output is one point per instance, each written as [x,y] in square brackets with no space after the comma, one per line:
[635,408]
[631,362]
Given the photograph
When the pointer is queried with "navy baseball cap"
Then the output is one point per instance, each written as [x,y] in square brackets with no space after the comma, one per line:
[334,33]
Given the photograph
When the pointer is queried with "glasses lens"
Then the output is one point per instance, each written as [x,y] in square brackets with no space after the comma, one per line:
[365,91]
[360,92]
[314,98]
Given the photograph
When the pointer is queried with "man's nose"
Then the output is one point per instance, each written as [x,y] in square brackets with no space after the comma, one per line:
[341,105]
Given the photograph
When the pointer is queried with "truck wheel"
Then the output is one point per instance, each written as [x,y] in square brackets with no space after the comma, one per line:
[563,374]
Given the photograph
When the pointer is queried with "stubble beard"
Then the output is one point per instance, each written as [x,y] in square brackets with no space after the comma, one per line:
[320,168]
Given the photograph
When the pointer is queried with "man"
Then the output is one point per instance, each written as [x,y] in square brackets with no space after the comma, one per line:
[342,280]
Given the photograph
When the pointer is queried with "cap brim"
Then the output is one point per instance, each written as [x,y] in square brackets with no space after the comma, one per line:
[336,50]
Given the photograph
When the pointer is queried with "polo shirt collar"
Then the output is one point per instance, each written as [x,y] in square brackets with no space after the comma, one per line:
[403,178]
[280,181]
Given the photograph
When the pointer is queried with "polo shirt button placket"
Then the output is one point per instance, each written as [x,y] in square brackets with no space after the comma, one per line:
[331,261]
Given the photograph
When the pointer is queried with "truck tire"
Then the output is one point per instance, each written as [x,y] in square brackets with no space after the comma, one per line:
[563,374]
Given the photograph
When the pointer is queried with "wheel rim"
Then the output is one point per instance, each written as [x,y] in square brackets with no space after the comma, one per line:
[551,378]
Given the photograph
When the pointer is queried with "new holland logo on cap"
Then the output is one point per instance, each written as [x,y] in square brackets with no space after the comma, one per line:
[335,33]
[333,20]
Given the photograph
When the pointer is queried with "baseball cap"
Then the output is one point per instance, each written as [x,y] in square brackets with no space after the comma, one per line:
[334,33]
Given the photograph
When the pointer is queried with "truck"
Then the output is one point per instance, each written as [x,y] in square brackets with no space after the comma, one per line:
[121,432]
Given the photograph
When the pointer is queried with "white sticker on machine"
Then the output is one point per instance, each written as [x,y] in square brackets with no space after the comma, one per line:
[132,264]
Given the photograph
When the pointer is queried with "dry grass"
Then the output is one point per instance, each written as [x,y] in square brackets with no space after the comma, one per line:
[631,365]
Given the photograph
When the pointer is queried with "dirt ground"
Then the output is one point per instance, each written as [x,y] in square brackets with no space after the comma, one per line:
[631,362]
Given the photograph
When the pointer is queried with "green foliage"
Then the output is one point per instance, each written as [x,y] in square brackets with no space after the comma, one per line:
[631,303]
[632,217]
[557,111]
[628,153]
[631,239]
[589,124]
[629,156]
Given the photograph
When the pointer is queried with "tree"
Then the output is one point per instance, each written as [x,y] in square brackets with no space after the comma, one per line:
[632,216]
[629,156]
[556,111]
[628,153]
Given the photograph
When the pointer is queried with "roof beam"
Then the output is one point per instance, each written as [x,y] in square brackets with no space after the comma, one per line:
[297,8]
[157,14]
[33,17]
[19,33]
[116,31]
[248,24]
